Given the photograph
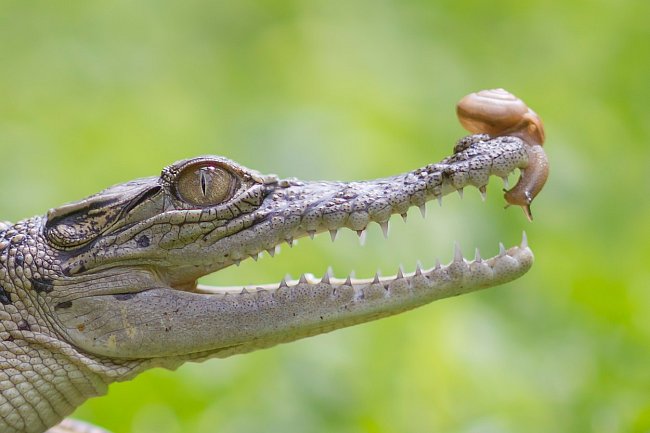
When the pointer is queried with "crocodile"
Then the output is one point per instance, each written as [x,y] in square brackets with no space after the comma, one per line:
[100,290]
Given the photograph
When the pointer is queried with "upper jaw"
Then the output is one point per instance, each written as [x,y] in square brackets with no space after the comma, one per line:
[294,209]
[275,211]
[304,208]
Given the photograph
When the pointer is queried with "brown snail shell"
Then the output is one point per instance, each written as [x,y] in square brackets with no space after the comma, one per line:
[498,112]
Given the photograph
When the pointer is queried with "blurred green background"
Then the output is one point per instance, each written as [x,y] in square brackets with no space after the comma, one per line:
[96,93]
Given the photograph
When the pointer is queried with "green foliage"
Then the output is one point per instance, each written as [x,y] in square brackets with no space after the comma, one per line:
[95,93]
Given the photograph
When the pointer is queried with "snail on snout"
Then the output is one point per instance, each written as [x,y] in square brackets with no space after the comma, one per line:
[498,112]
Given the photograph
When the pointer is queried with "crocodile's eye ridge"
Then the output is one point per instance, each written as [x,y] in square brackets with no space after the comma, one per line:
[205,184]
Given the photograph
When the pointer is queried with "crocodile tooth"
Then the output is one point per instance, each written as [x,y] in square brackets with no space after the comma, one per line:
[376,279]
[327,276]
[477,256]
[333,234]
[403,215]
[311,233]
[303,279]
[460,192]
[418,269]
[384,228]
[458,254]
[506,183]
[440,200]
[438,265]
[524,240]
[271,252]
[502,250]
[400,272]
[423,210]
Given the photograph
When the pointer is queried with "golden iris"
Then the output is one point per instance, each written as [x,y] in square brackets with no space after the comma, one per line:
[205,184]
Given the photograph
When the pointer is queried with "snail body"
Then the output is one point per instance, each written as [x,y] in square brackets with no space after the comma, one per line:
[498,112]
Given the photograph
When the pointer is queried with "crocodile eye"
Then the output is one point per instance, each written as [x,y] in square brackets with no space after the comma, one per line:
[205,184]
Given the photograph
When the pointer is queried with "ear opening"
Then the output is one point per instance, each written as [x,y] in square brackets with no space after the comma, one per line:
[79,223]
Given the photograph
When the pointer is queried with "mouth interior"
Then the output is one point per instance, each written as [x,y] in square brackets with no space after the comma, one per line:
[329,278]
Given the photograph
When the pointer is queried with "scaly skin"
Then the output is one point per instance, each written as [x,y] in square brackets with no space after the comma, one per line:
[103,289]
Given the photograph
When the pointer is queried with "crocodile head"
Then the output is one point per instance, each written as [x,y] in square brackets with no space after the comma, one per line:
[118,270]
[129,257]
[102,289]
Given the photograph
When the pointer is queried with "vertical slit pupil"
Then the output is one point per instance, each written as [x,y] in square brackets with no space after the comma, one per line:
[204,181]
[204,185]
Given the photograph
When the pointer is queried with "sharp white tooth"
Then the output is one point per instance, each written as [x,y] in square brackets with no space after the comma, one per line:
[311,233]
[384,228]
[255,256]
[376,279]
[506,184]
[477,256]
[237,262]
[483,192]
[271,252]
[439,200]
[289,242]
[460,192]
[348,281]
[327,276]
[303,279]
[423,210]
[283,283]
[438,265]
[362,236]
[243,291]
[400,272]
[458,254]
[277,249]
[502,250]
[333,234]
[403,216]
[418,269]
[524,240]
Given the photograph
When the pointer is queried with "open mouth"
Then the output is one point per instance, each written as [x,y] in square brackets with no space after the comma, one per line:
[508,135]
[477,158]
[477,271]
[144,244]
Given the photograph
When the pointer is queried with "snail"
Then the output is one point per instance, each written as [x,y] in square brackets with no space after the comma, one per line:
[498,112]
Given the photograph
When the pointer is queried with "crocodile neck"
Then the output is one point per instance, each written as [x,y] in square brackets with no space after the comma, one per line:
[100,290]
